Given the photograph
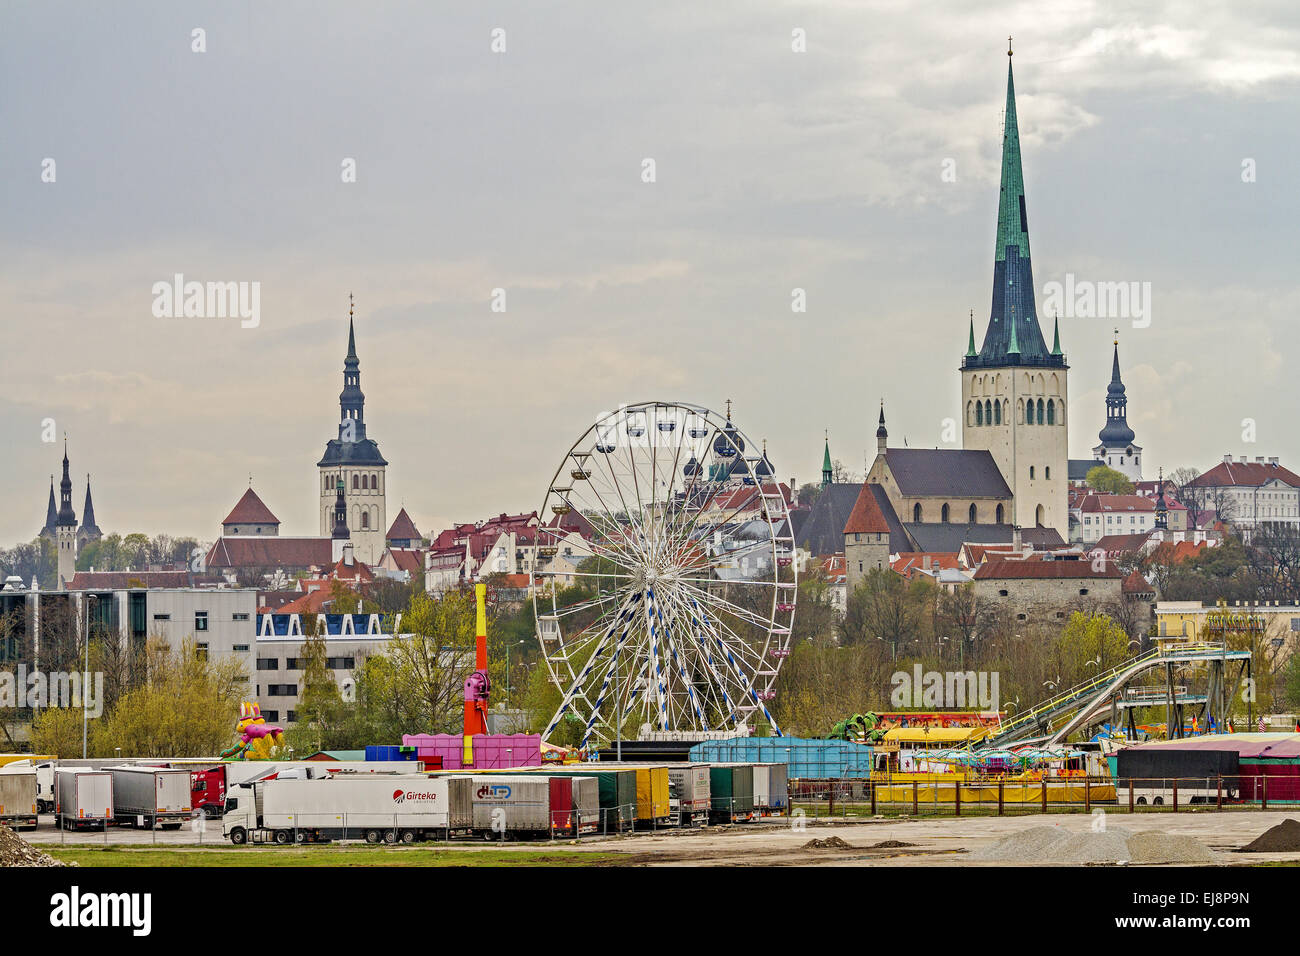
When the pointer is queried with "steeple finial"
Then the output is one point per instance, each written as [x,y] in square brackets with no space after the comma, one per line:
[1009,48]
[970,345]
[1056,334]
[728,409]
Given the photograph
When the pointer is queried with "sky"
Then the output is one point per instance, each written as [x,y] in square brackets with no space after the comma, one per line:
[862,169]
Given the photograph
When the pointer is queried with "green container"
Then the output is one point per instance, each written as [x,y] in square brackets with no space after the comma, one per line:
[731,792]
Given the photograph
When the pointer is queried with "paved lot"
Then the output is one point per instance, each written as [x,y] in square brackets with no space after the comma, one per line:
[933,842]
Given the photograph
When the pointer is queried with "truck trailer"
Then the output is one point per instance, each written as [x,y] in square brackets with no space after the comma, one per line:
[689,795]
[18,797]
[150,797]
[377,808]
[83,799]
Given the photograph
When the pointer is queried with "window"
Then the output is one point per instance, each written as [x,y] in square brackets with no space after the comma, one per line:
[341,663]
[240,648]
[162,617]
[999,514]
[997,413]
[1051,412]
[365,520]
[291,717]
[1060,614]
[1083,591]
[239,617]
[1040,411]
[1002,593]
[268,663]
[1021,617]
[291,664]
[943,514]
[201,651]
[972,514]
[356,482]
[200,620]
[282,690]
[271,714]
[916,512]
[1047,472]
[1031,472]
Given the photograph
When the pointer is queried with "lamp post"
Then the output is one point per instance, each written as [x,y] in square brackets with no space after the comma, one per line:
[91,601]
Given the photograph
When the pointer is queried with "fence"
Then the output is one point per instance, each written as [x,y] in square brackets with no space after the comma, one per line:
[914,797]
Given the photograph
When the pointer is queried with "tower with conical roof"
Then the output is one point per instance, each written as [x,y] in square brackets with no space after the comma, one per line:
[66,530]
[51,528]
[828,471]
[1014,390]
[353,458]
[1116,448]
[89,531]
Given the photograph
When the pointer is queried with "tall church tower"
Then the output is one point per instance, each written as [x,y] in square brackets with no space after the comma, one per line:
[354,460]
[1013,388]
[66,531]
[1117,449]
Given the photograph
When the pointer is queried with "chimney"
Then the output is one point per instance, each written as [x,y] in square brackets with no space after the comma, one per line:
[1244,460]
[1259,459]
[1273,462]
[1017,544]
[1227,459]
[925,562]
[348,559]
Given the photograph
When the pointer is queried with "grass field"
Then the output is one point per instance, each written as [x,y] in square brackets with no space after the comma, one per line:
[323,856]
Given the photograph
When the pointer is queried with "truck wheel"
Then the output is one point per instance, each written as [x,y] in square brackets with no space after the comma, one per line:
[390,837]
[1159,801]
[283,837]
[301,836]
[408,836]
[372,836]
[238,836]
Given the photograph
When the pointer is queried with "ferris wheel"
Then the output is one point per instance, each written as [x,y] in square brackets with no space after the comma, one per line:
[664,587]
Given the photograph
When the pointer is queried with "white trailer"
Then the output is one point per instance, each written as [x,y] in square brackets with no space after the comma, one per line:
[377,808]
[44,781]
[689,796]
[18,797]
[150,797]
[83,798]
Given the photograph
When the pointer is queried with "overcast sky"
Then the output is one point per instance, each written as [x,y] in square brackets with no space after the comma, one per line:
[522,170]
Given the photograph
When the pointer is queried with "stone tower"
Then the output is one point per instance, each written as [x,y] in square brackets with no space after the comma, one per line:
[354,460]
[1014,392]
[66,530]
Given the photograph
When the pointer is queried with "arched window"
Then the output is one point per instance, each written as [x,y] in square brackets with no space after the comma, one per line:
[973,519]
[1020,411]
[943,514]
[988,412]
[356,482]
[997,413]
[916,512]
[1040,411]
[1047,472]
[999,514]
[1038,516]
[365,482]
[365,520]
[1031,472]
[970,414]
[1051,412]
[374,482]
[979,413]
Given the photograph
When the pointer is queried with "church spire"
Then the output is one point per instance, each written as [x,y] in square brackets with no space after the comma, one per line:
[51,514]
[352,401]
[67,517]
[1013,336]
[827,470]
[970,346]
[1056,335]
[88,527]
[1116,431]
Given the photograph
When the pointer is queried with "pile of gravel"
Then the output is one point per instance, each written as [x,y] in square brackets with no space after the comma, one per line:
[15,851]
[1112,845]
[830,843]
[1283,838]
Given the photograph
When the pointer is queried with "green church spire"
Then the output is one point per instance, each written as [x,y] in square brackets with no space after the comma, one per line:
[827,470]
[1014,347]
[970,347]
[1056,335]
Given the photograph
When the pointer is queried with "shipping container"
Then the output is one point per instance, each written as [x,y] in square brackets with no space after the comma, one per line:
[651,796]
[388,808]
[731,790]
[83,798]
[771,787]
[150,796]
[803,757]
[18,797]
[507,805]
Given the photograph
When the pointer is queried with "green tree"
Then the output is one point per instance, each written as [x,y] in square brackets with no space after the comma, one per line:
[1106,480]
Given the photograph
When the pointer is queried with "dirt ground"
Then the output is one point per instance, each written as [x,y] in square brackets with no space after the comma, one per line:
[943,842]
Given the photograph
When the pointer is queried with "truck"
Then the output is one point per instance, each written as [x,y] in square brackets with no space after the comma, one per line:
[44,768]
[689,795]
[83,799]
[377,808]
[731,790]
[513,805]
[150,797]
[18,797]
[210,779]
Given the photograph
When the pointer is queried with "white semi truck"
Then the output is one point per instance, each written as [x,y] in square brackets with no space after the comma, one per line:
[377,808]
[150,797]
[83,798]
[18,797]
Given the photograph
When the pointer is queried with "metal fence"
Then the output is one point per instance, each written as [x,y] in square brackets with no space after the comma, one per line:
[899,797]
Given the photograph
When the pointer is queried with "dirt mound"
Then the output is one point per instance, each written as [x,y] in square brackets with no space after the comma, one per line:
[889,845]
[830,843]
[15,851]
[1283,838]
[1112,845]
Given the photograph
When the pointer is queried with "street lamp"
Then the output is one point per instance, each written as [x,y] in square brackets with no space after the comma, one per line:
[91,601]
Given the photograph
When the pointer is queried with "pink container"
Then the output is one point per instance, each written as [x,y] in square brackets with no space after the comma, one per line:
[491,751]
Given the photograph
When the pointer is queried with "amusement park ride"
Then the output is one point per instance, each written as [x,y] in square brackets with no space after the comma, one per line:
[478,687]
[688,584]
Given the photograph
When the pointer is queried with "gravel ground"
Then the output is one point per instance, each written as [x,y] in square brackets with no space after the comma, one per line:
[1044,844]
[15,851]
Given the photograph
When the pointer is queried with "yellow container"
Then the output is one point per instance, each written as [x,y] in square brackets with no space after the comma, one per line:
[651,793]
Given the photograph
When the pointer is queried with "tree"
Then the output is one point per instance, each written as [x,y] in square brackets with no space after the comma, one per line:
[1108,481]
[963,617]
[807,494]
[880,607]
[432,659]
[322,716]
[57,730]
[817,615]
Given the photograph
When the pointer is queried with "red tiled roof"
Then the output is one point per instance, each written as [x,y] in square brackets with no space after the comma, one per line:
[407,559]
[1119,543]
[1173,552]
[1007,568]
[866,516]
[313,602]
[403,528]
[909,561]
[1093,503]
[114,580]
[1136,584]
[1252,474]
[250,510]
[235,551]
